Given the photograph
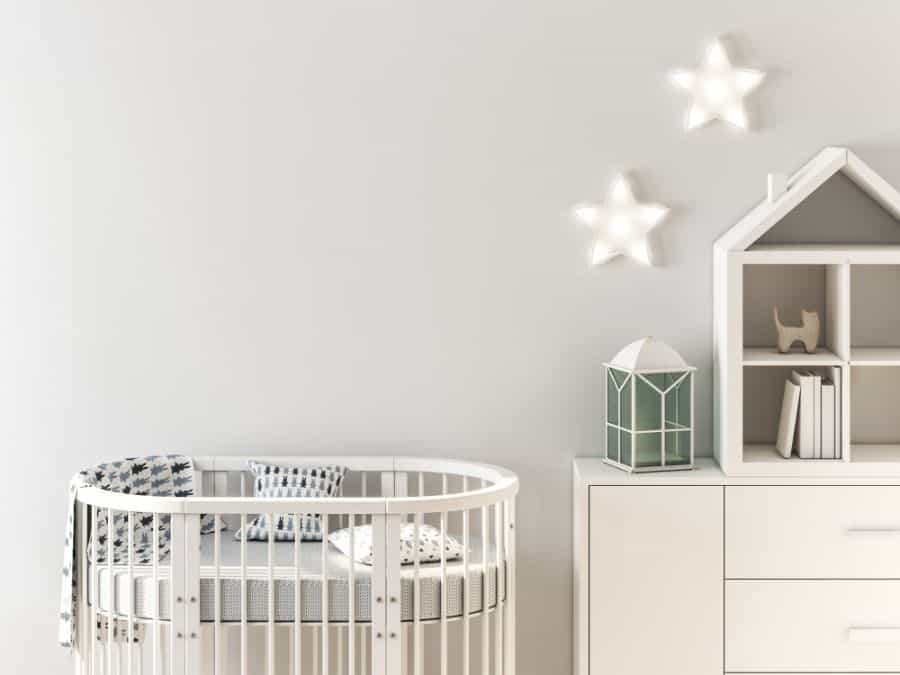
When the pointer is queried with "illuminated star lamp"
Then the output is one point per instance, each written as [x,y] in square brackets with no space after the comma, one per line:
[622,224]
[718,89]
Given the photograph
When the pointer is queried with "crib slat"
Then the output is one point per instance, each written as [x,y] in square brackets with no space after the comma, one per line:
[343,521]
[155,554]
[368,643]
[418,630]
[217,596]
[485,616]
[95,585]
[178,657]
[444,585]
[324,523]
[444,664]
[110,585]
[351,590]
[364,643]
[501,601]
[298,600]
[131,593]
[270,628]
[244,657]
[81,631]
[417,594]
[465,583]
[511,586]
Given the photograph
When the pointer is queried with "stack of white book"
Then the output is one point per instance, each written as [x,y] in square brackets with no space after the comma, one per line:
[811,415]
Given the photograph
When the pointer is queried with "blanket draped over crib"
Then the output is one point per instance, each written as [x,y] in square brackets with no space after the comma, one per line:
[154,476]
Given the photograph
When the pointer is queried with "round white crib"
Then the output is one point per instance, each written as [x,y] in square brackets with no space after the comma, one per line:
[217,606]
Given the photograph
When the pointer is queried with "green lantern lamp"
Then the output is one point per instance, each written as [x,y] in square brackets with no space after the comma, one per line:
[649,408]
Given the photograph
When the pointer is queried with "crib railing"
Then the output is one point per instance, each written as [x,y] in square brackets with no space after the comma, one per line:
[473,502]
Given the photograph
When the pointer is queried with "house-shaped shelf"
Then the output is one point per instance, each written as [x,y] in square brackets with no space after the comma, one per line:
[828,239]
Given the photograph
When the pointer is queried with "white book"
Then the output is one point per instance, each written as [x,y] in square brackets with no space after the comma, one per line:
[828,420]
[817,414]
[790,404]
[804,437]
[835,372]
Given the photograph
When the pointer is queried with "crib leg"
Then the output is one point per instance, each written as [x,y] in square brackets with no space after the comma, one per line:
[404,649]
[315,651]
[290,653]
[340,649]
[163,652]
[363,650]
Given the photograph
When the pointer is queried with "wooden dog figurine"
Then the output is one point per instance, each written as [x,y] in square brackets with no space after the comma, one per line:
[808,333]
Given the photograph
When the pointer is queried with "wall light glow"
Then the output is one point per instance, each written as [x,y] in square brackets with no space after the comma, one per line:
[718,89]
[622,224]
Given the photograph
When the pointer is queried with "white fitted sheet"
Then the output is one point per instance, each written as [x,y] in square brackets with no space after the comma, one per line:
[311,584]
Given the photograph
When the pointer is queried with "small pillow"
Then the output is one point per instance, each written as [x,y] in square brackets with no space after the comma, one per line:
[429,544]
[294,482]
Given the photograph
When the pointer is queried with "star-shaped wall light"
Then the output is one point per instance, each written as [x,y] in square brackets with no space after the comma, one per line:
[718,88]
[622,224]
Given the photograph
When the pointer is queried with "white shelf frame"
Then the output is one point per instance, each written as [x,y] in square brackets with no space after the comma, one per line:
[732,253]
[761,356]
[875,356]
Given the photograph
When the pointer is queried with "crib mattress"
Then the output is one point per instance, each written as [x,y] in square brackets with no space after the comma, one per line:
[284,580]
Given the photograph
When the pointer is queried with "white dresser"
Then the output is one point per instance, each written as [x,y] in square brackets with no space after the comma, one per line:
[696,573]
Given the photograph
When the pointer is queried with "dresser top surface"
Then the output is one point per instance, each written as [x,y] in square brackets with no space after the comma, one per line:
[594,471]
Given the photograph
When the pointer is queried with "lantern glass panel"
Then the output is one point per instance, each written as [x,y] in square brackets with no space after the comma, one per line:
[626,448]
[648,402]
[678,447]
[612,399]
[625,418]
[678,402]
[612,443]
[648,450]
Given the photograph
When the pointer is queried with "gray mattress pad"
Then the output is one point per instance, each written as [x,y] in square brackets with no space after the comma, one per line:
[481,585]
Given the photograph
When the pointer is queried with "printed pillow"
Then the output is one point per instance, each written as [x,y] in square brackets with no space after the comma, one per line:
[291,481]
[429,544]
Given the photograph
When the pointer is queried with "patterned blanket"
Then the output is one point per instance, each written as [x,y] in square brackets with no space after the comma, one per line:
[155,476]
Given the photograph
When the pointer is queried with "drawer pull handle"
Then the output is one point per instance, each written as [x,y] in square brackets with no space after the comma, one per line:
[883,634]
[873,531]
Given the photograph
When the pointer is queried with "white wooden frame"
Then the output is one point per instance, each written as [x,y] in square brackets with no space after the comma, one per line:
[175,646]
[733,252]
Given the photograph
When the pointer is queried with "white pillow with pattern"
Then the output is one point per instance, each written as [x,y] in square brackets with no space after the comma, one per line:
[273,481]
[429,544]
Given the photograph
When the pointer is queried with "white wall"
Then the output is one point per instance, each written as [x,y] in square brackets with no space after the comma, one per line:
[234,227]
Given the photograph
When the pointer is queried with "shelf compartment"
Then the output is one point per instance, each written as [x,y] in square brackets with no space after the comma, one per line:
[769,356]
[870,453]
[824,289]
[763,392]
[874,407]
[875,312]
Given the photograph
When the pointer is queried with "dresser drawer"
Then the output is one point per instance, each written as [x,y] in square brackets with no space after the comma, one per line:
[812,532]
[655,577]
[812,626]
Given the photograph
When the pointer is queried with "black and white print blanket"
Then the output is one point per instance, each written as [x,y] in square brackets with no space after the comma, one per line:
[154,476]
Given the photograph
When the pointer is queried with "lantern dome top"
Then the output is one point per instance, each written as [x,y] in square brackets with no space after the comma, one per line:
[648,354]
